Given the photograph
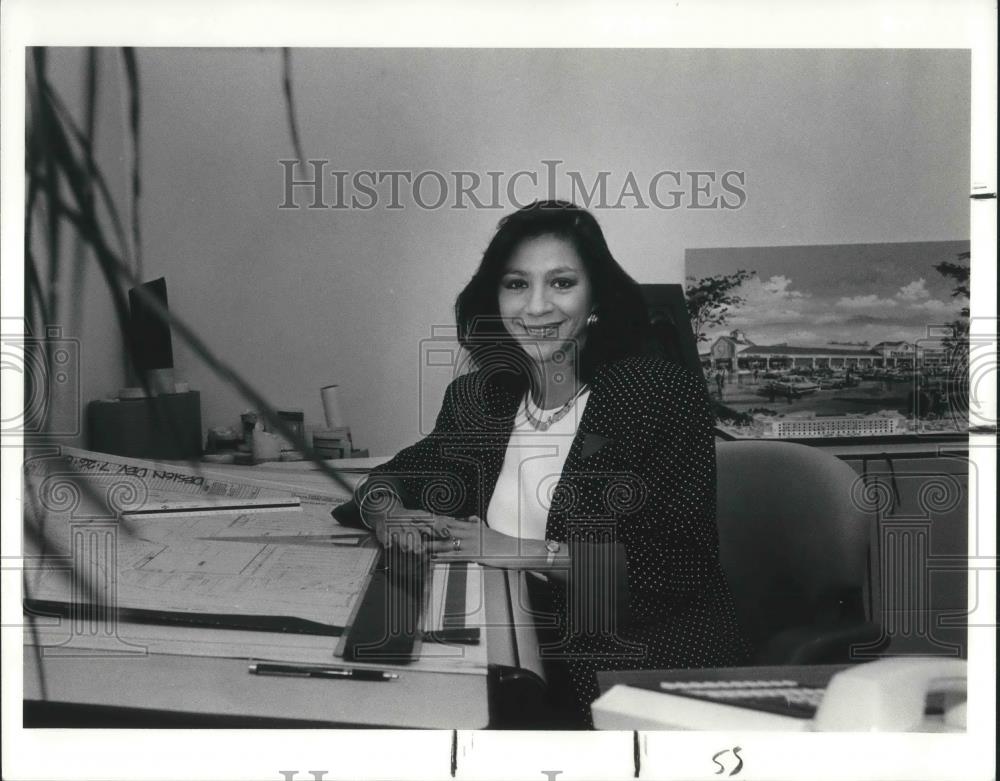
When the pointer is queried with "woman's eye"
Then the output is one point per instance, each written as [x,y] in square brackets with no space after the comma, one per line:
[562,283]
[514,284]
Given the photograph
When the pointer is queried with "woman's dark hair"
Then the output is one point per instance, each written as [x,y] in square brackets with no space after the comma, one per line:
[622,322]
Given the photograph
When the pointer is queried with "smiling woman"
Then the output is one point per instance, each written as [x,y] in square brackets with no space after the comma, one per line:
[545,298]
[557,252]
[572,453]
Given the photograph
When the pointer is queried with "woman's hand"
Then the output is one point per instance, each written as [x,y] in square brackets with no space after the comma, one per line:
[454,539]
[407,530]
[394,525]
[469,539]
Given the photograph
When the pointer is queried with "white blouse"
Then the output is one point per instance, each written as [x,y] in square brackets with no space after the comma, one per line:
[531,469]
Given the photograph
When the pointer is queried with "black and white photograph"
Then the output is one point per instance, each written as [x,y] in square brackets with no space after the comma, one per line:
[566,393]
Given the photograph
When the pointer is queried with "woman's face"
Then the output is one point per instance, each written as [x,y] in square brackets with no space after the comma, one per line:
[545,298]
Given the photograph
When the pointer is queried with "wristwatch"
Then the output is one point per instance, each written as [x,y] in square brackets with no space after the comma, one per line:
[553,547]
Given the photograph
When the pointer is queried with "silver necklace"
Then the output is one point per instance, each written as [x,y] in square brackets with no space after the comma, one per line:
[555,417]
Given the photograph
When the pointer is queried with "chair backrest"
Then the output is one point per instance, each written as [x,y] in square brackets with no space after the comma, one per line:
[793,542]
[670,333]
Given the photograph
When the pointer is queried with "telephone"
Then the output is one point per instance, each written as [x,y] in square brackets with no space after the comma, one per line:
[897,694]
[894,695]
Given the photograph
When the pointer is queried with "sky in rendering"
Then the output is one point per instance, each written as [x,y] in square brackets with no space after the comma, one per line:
[816,295]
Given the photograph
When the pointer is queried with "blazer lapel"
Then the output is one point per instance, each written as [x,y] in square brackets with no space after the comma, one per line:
[592,443]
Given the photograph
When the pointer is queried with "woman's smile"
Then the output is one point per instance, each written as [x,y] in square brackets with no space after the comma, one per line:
[542,331]
[545,298]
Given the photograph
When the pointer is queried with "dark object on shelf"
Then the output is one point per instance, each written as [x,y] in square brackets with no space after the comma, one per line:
[149,333]
[165,427]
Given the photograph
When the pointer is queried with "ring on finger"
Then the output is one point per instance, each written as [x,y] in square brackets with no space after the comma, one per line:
[456,544]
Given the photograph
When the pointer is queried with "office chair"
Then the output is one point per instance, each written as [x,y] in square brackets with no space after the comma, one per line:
[794,547]
[670,335]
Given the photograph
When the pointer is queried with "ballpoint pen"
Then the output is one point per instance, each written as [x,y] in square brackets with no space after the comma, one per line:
[309,671]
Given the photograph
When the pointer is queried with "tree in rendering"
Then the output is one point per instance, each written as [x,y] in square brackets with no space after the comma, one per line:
[710,299]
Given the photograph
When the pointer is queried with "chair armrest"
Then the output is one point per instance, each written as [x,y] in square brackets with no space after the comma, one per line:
[821,644]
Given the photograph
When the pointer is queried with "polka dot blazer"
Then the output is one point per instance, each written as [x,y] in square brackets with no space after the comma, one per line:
[635,502]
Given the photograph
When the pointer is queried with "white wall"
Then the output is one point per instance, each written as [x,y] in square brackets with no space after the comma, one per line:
[836,147]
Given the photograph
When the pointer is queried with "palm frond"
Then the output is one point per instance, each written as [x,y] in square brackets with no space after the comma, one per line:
[132,78]
[91,95]
[65,183]
[286,82]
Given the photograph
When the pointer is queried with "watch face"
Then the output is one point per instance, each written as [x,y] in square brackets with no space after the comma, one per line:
[552,546]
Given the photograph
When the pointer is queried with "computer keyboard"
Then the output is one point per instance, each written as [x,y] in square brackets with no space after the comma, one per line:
[766,698]
[864,697]
[783,697]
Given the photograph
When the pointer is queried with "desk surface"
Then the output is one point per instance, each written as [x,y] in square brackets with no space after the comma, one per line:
[176,689]
[174,686]
[178,686]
